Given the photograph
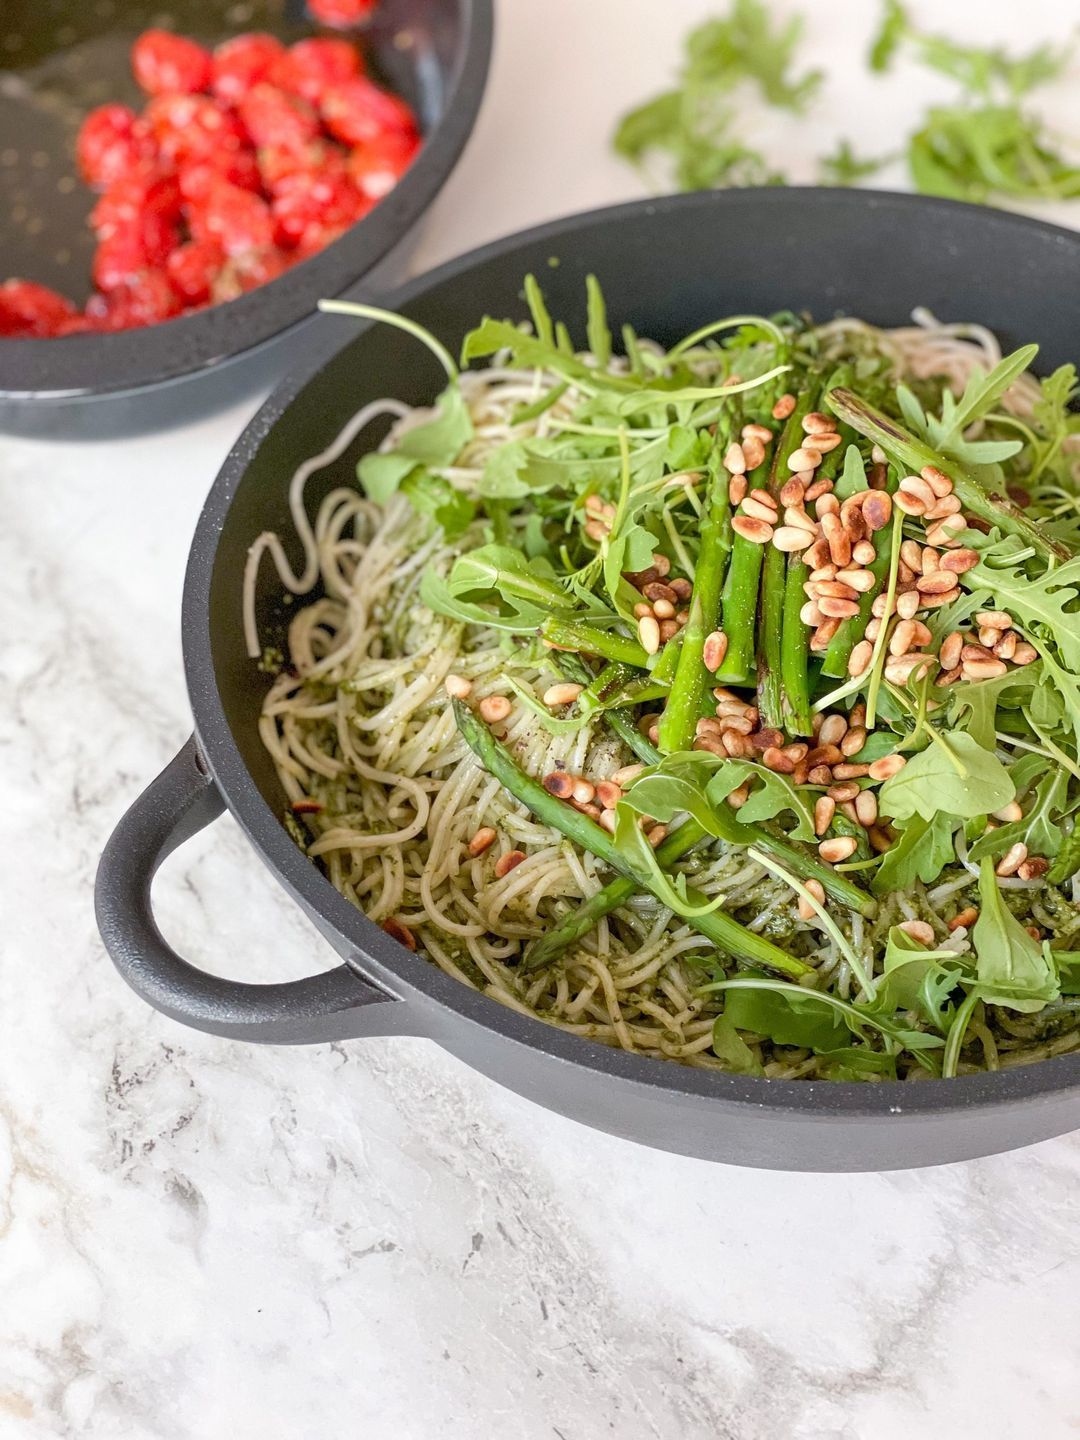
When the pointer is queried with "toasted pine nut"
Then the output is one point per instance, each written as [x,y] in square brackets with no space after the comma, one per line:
[816,423]
[714,650]
[937,583]
[627,774]
[775,759]
[841,847]
[608,794]
[827,505]
[907,667]
[737,489]
[825,441]
[1034,868]
[482,840]
[853,741]
[559,783]
[712,744]
[833,729]
[783,407]
[739,796]
[756,531]
[1011,861]
[907,604]
[596,529]
[849,770]
[877,509]
[683,589]
[1006,647]
[800,520]
[965,919]
[887,767]
[663,609]
[584,790]
[942,509]
[1009,814]
[508,862]
[648,629]
[757,432]
[837,609]
[822,636]
[860,657]
[836,589]
[657,590]
[734,459]
[805,458]
[946,532]
[818,775]
[866,808]
[494,708]
[938,481]
[810,614]
[843,792]
[656,835]
[911,555]
[791,537]
[960,561]
[857,716]
[1024,654]
[951,646]
[944,597]
[873,630]
[909,504]
[399,932]
[918,930]
[607,821]
[824,810]
[994,619]
[753,451]
[562,694]
[861,581]
[817,890]
[915,486]
[792,492]
[863,552]
[902,638]
[642,608]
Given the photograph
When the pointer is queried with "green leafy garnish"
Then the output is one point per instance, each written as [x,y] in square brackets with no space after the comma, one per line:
[1012,969]
[953,776]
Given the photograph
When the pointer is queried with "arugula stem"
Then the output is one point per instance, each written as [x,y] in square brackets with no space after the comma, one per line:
[913,454]
[726,934]
[877,662]
[957,1030]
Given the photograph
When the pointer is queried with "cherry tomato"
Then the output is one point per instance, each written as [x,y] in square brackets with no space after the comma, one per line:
[238,167]
[274,118]
[193,268]
[193,127]
[130,202]
[376,167]
[236,219]
[313,198]
[242,63]
[357,111]
[310,67]
[341,12]
[166,64]
[148,299]
[247,272]
[31,311]
[318,235]
[112,142]
[278,163]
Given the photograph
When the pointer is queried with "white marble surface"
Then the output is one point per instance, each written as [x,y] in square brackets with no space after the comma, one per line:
[201,1240]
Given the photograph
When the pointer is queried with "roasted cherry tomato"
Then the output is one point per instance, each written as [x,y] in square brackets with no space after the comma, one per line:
[238,167]
[236,219]
[376,167]
[112,142]
[273,117]
[193,127]
[358,111]
[166,64]
[341,12]
[311,67]
[279,163]
[312,198]
[148,299]
[32,311]
[242,63]
[151,193]
[247,272]
[193,268]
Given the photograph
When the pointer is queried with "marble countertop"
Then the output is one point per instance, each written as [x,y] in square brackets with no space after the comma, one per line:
[199,1239]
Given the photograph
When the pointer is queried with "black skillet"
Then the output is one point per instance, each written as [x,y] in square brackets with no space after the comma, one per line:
[59,59]
[666,267]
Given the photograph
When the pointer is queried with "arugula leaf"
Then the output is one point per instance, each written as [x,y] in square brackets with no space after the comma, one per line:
[729,1046]
[520,619]
[981,394]
[891,33]
[922,851]
[438,441]
[954,776]
[975,154]
[1040,828]
[1055,420]
[507,572]
[597,326]
[852,479]
[1068,858]
[785,1018]
[430,494]
[844,167]
[973,705]
[771,796]
[917,979]
[1012,969]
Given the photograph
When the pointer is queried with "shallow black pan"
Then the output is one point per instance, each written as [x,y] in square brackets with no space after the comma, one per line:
[666,267]
[60,58]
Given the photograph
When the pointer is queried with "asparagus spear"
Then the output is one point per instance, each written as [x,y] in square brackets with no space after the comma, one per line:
[912,454]
[726,934]
[590,640]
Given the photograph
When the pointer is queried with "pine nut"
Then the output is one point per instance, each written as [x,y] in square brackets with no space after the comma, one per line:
[562,694]
[737,489]
[931,560]
[508,862]
[607,821]
[774,759]
[818,775]
[627,774]
[1006,647]
[822,636]
[837,609]
[907,667]
[735,459]
[825,441]
[828,505]
[1011,861]
[848,770]
[866,808]
[841,847]
[836,588]
[960,561]
[767,739]
[457,687]
[657,590]
[909,504]
[792,492]
[903,637]
[907,604]
[984,669]
[484,838]
[860,657]
[584,791]
[797,517]
[951,647]
[783,407]
[805,458]
[994,619]
[399,932]
[668,630]
[887,767]
[843,792]
[941,509]
[735,745]
[915,486]
[873,630]
[965,919]
[911,555]
[824,810]
[756,531]
[946,532]
[817,890]
[853,741]
[682,588]
[816,423]
[1033,869]
[757,432]
[938,481]
[949,677]
[713,650]
[642,608]
[1024,654]
[657,835]
[757,511]
[833,730]
[789,538]
[918,930]
[877,510]
[712,744]
[863,553]
[946,597]
[559,783]
[494,708]
[648,629]
[753,451]
[663,609]
[1009,814]
[738,797]
[861,581]
[857,716]
[810,614]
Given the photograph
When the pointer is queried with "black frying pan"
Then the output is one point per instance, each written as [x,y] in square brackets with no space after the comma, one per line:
[61,58]
[666,267]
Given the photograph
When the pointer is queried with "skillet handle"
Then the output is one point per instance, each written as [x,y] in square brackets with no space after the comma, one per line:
[335,1005]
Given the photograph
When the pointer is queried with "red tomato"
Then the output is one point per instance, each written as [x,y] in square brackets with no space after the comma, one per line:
[341,12]
[238,167]
[311,198]
[76,325]
[241,63]
[358,111]
[127,204]
[317,236]
[193,127]
[28,310]
[310,67]
[126,251]
[375,168]
[247,272]
[236,219]
[278,163]
[169,64]
[148,299]
[112,142]
[193,268]
[274,118]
